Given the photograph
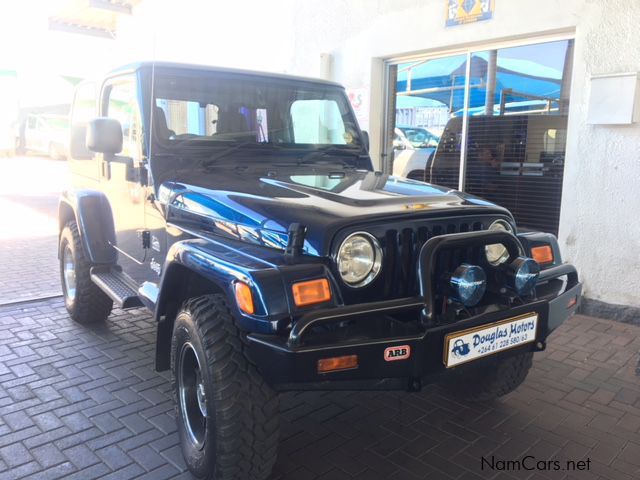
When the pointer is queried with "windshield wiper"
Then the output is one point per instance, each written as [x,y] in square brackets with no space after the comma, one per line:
[330,151]
[218,155]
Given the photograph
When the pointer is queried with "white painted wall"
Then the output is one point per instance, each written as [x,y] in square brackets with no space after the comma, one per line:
[599,228]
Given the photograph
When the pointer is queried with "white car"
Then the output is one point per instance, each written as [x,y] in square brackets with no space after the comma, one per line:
[408,161]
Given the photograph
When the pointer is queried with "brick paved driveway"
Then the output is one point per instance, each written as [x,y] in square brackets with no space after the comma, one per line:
[28,234]
[85,403]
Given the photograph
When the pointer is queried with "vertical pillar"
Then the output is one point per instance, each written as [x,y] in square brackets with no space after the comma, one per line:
[462,175]
[490,97]
[326,66]
[565,87]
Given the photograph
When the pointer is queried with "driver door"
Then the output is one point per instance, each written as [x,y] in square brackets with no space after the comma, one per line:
[120,176]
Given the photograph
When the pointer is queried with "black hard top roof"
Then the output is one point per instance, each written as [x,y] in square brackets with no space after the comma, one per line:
[207,68]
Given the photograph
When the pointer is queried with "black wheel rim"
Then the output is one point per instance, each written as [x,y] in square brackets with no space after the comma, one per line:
[193,401]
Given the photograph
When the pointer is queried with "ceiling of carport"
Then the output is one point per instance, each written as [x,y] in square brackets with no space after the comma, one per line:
[90,17]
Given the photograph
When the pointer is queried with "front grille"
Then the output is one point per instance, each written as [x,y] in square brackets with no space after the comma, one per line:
[402,250]
[401,242]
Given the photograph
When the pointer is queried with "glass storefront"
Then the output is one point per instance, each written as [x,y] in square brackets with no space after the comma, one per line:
[492,123]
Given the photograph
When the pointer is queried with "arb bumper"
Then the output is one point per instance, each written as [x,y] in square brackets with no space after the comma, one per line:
[377,346]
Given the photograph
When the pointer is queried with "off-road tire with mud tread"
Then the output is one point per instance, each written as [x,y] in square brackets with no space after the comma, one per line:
[491,379]
[91,305]
[243,443]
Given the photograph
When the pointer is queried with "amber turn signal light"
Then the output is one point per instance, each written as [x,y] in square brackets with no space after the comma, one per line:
[542,254]
[335,364]
[244,298]
[311,292]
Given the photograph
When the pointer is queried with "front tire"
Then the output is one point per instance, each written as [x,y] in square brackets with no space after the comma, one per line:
[84,300]
[491,379]
[227,415]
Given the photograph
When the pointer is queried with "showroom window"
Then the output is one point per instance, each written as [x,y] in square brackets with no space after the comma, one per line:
[489,122]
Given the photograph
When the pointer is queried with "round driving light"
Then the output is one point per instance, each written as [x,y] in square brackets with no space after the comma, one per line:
[522,275]
[359,259]
[468,284]
[498,253]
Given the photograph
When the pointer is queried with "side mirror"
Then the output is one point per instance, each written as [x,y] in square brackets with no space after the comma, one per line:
[398,145]
[365,139]
[104,135]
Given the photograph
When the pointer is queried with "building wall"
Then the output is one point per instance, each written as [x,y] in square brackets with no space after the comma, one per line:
[599,226]
[250,34]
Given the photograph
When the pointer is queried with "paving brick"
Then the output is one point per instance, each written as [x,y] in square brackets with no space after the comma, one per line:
[48,455]
[81,456]
[17,420]
[113,457]
[148,458]
[47,421]
[15,455]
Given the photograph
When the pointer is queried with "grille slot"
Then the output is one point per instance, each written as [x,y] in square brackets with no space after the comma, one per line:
[402,249]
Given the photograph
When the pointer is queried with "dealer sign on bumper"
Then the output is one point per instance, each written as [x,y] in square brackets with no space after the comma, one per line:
[467,345]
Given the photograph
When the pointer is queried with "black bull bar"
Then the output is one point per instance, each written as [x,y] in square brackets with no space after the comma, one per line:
[283,357]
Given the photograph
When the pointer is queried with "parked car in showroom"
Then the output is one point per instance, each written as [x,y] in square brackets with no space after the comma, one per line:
[409,161]
[420,137]
[242,209]
[46,134]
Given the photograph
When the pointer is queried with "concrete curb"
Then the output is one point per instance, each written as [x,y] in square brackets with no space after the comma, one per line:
[40,298]
[619,313]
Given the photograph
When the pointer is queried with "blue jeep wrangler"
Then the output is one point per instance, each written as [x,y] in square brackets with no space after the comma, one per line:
[243,211]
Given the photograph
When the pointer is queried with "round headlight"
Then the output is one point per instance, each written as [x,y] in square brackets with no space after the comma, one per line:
[468,284]
[498,253]
[523,275]
[359,259]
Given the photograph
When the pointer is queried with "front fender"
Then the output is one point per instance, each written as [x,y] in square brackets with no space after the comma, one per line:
[222,266]
[92,213]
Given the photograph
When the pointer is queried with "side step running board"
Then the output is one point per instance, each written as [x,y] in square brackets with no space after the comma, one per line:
[117,285]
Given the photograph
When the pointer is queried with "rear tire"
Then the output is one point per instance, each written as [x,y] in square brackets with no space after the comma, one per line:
[491,379]
[84,300]
[226,413]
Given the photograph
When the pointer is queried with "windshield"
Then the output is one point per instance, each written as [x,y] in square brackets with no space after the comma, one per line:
[229,109]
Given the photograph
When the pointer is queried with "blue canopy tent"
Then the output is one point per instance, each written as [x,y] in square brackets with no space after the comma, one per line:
[443,80]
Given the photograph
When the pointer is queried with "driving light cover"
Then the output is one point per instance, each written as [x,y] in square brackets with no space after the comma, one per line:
[311,292]
[542,254]
[359,259]
[468,284]
[244,297]
[498,253]
[522,275]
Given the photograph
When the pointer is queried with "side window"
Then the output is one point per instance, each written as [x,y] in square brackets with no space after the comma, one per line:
[84,103]
[122,105]
[84,109]
[33,121]
[318,122]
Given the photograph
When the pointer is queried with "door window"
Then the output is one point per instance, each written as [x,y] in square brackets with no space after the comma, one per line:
[122,105]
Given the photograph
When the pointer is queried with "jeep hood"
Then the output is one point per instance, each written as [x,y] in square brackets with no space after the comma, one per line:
[259,207]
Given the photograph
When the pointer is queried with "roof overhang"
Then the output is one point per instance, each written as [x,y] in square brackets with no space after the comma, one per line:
[90,17]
